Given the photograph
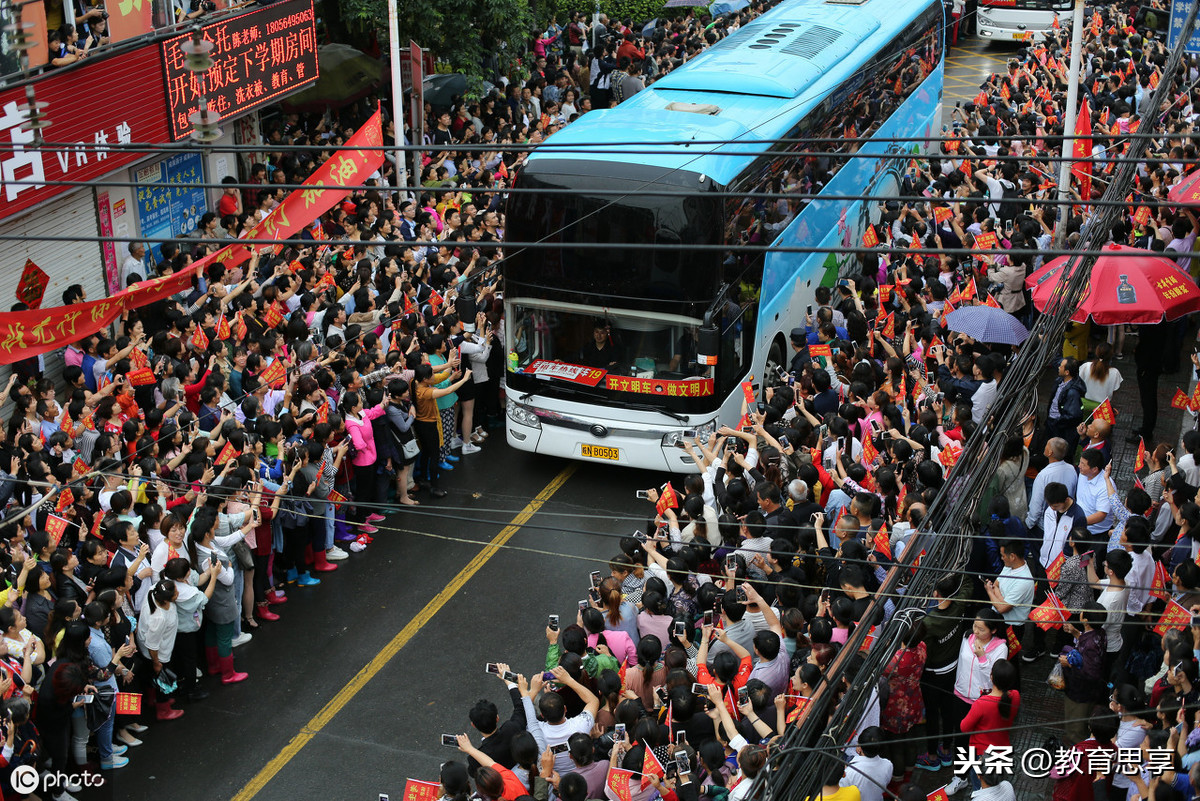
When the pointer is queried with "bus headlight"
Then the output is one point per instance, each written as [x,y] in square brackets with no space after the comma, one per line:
[523,415]
[701,432]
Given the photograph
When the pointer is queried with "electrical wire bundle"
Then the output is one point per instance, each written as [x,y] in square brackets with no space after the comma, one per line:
[943,540]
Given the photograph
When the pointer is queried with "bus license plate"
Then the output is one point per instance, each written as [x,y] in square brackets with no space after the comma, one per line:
[600,452]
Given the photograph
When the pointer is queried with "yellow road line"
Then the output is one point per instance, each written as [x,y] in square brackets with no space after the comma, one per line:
[339,701]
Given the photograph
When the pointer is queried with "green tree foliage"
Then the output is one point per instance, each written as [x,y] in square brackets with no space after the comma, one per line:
[637,10]
[480,38]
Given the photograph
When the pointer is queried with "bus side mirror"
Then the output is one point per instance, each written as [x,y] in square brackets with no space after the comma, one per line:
[708,344]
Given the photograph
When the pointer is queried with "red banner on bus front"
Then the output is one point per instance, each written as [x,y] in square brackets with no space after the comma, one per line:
[575,373]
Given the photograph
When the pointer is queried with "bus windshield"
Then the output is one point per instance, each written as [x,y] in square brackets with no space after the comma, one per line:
[616,356]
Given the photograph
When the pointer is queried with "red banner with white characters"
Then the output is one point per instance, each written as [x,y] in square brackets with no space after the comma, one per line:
[29,333]
[696,388]
[321,192]
[575,373]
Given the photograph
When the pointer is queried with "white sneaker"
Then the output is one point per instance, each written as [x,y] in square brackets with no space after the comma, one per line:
[336,554]
[480,432]
[956,785]
[242,639]
[470,448]
[199,673]
[455,442]
[358,547]
[74,785]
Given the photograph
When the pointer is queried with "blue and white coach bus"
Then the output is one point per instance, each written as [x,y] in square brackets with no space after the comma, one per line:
[609,354]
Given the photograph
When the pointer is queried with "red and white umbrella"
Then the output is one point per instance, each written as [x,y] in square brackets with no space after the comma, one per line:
[1126,285]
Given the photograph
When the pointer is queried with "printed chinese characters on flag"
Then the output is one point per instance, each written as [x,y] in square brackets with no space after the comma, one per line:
[415,790]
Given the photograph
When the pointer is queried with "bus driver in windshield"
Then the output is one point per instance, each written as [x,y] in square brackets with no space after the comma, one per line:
[600,352]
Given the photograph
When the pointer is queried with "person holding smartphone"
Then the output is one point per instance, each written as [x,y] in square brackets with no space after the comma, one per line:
[728,669]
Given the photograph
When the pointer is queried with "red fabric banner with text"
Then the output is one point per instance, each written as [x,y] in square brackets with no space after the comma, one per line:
[300,208]
[29,333]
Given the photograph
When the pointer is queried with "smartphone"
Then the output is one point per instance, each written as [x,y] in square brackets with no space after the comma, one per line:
[731,562]
[690,433]
[843,282]
[384,797]
[83,699]
[450,740]
[639,536]
[595,578]
[708,618]
[875,426]
[493,668]
[590,651]
[682,765]
[619,731]
[762,407]
[594,594]
[661,692]
[552,622]
[561,748]
[699,689]
[740,594]
[1195,620]
[583,605]
[824,431]
[842,444]
[547,676]
[825,594]
[680,628]
[783,442]
[680,444]
[747,429]
[810,310]
[508,675]
[643,495]
[743,695]
[680,738]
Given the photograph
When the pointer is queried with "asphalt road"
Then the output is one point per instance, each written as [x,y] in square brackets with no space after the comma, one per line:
[388,728]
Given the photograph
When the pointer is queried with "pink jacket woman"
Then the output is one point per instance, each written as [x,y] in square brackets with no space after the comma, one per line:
[363,436]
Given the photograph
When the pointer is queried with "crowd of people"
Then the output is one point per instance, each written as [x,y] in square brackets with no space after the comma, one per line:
[702,642]
[237,441]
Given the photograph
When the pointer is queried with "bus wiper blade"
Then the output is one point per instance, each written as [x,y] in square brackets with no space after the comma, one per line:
[646,407]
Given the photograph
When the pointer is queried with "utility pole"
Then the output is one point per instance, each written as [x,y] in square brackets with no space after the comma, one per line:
[1068,142]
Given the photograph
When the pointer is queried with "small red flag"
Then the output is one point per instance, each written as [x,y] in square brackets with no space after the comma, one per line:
[129,703]
[1054,571]
[667,499]
[223,331]
[275,374]
[199,339]
[32,286]
[870,238]
[1175,617]
[1050,614]
[55,527]
[273,316]
[942,213]
[1180,401]
[748,393]
[79,467]
[1105,412]
[889,328]
[64,500]
[1142,215]
[820,349]
[940,793]
[991,301]
[949,455]
[619,784]
[986,241]
[882,544]
[227,453]
[142,377]
[1195,400]
[1140,462]
[1158,587]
